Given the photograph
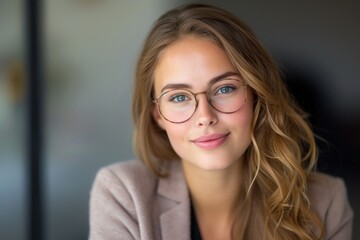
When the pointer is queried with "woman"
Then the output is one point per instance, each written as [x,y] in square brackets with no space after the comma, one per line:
[225,152]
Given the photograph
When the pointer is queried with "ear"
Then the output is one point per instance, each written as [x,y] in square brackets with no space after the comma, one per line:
[156,115]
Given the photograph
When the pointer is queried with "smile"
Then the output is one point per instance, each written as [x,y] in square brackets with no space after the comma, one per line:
[211,141]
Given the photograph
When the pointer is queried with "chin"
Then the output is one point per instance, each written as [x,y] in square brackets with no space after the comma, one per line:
[213,164]
[216,167]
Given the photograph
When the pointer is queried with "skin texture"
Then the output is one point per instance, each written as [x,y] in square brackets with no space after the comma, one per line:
[212,167]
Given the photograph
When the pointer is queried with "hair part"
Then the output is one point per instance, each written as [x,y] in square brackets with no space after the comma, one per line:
[282,150]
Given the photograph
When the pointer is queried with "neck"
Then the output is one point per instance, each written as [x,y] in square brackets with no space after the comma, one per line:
[213,193]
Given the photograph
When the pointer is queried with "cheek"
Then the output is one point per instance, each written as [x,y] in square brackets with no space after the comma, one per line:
[241,123]
[248,112]
[176,134]
[248,119]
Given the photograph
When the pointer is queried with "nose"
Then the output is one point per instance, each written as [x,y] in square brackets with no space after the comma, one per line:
[205,114]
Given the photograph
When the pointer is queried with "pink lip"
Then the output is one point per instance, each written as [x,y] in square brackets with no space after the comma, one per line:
[210,141]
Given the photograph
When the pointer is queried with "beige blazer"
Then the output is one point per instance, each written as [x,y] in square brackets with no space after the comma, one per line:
[129,202]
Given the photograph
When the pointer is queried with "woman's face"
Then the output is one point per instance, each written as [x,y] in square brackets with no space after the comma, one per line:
[209,140]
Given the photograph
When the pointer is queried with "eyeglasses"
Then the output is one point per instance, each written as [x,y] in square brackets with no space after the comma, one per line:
[179,105]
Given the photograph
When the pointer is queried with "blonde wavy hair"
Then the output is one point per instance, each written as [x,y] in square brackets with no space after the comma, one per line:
[282,151]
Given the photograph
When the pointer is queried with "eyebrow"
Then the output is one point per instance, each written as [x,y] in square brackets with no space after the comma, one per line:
[211,82]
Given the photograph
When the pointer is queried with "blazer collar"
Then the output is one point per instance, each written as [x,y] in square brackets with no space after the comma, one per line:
[175,222]
[174,187]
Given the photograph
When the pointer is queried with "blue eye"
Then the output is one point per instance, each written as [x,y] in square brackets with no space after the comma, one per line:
[178,98]
[225,89]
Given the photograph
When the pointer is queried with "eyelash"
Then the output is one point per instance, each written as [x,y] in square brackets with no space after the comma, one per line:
[174,97]
[229,88]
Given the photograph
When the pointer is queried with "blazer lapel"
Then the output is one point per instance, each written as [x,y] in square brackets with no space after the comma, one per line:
[175,221]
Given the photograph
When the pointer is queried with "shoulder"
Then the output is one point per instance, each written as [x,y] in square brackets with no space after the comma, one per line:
[325,189]
[328,197]
[126,169]
[324,184]
[119,201]
[132,176]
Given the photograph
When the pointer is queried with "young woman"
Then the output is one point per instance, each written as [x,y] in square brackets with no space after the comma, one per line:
[225,152]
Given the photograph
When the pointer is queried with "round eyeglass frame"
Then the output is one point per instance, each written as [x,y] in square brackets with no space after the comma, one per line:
[157,101]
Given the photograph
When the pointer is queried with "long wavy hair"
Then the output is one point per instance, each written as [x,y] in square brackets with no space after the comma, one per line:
[282,152]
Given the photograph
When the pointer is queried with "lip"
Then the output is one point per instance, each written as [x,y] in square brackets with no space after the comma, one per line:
[211,141]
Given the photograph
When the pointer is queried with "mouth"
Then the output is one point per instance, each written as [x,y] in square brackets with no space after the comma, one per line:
[211,141]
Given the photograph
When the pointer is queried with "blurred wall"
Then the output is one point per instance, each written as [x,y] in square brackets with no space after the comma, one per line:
[12,122]
[90,53]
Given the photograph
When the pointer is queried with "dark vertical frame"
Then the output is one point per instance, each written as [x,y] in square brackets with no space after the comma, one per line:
[33,26]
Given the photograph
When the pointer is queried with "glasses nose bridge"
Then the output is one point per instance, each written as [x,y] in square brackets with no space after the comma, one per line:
[199,93]
[197,100]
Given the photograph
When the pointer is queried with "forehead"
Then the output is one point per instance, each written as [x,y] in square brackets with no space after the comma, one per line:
[193,61]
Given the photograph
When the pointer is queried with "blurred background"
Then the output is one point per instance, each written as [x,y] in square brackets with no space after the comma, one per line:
[89,53]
